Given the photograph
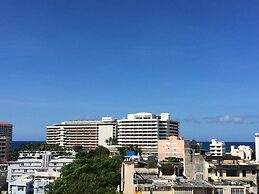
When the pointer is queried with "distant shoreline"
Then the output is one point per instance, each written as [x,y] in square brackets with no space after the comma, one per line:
[205,144]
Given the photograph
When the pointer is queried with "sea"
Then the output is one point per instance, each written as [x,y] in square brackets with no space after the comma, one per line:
[205,144]
[18,144]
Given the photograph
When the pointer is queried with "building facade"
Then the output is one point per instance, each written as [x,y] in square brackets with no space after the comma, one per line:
[242,151]
[6,129]
[145,129]
[43,166]
[6,134]
[217,148]
[173,146]
[5,143]
[86,133]
[257,147]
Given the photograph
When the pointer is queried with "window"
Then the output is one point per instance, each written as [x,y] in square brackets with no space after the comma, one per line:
[237,191]
[218,190]
[244,173]
[253,171]
[232,173]
[20,188]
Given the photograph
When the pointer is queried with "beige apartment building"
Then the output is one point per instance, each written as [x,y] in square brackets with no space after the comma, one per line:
[86,133]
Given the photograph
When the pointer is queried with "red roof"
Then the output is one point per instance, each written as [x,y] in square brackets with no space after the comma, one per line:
[5,123]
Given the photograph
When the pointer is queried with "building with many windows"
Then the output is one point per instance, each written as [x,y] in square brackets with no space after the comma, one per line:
[34,170]
[86,133]
[6,134]
[6,129]
[217,148]
[173,146]
[5,143]
[145,129]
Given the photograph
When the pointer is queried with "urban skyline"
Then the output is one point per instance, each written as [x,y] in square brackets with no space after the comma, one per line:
[89,59]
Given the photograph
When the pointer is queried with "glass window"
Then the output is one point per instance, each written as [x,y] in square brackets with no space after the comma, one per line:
[237,191]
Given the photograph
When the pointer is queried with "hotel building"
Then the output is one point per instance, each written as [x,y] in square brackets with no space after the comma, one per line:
[86,133]
[145,129]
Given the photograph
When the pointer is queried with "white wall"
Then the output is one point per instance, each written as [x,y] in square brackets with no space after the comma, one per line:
[105,131]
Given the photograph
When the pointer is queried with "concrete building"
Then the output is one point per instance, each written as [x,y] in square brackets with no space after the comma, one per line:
[3,175]
[6,129]
[86,133]
[257,147]
[173,146]
[145,129]
[6,134]
[137,179]
[44,167]
[220,171]
[5,144]
[217,148]
[242,151]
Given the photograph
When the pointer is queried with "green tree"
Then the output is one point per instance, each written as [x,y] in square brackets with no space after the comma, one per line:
[92,172]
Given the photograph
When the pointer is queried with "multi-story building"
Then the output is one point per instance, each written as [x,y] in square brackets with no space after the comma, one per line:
[137,179]
[6,133]
[6,129]
[257,147]
[86,133]
[145,129]
[226,173]
[5,143]
[34,170]
[3,175]
[242,151]
[173,146]
[217,148]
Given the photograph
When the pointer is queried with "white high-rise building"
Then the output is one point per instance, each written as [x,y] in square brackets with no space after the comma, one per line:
[257,146]
[145,129]
[217,148]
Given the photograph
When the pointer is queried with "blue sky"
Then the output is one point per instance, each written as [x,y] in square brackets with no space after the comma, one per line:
[197,60]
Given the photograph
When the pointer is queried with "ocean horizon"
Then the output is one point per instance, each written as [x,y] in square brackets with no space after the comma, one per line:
[205,144]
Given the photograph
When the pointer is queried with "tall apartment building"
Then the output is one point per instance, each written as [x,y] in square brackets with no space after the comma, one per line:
[217,148]
[6,129]
[4,148]
[145,129]
[257,147]
[6,133]
[85,133]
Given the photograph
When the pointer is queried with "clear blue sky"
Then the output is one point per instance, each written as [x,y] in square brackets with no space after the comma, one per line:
[197,60]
